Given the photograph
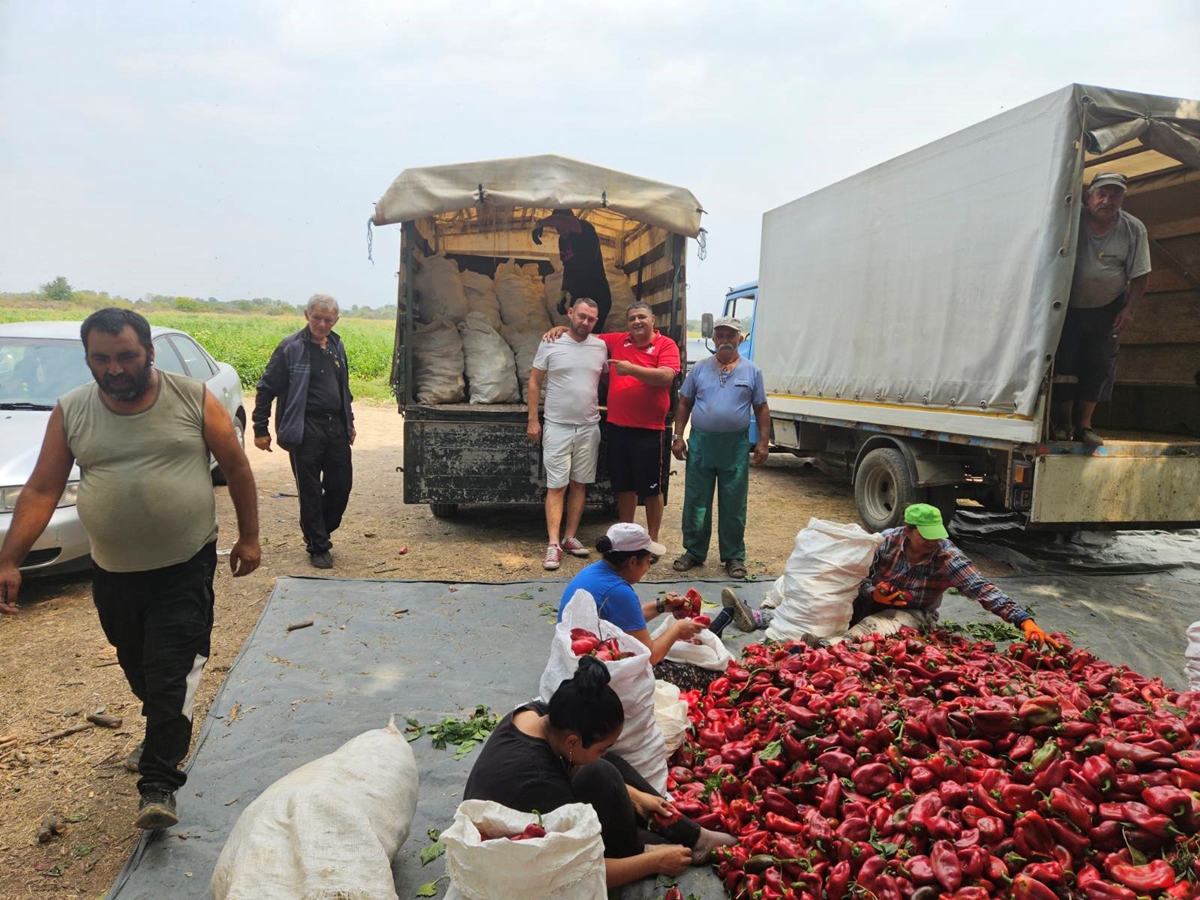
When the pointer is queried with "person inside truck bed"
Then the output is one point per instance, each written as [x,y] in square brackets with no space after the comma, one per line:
[583,263]
[1112,267]
[912,569]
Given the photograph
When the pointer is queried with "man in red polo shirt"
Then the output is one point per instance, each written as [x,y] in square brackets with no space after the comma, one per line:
[643,364]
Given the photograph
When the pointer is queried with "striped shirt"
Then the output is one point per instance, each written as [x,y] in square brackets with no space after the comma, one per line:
[947,567]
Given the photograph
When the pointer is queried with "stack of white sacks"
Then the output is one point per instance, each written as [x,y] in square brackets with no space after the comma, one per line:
[488,329]
[1193,657]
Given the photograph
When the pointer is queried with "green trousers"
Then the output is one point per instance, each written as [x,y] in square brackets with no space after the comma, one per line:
[720,459]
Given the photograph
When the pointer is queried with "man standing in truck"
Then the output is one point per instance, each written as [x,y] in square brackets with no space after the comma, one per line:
[570,367]
[1112,267]
[718,397]
[583,263]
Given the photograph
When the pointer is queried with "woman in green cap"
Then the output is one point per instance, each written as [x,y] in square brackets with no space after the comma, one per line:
[913,568]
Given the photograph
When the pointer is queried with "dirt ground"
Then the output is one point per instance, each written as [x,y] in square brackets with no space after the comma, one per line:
[56,667]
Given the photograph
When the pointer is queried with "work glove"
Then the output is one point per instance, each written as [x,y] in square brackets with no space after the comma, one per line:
[1035,635]
[887,595]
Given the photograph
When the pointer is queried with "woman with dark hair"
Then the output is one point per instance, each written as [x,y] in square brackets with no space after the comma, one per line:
[542,756]
[626,555]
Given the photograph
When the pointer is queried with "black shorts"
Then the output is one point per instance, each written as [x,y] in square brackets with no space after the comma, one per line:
[635,460]
[1088,350]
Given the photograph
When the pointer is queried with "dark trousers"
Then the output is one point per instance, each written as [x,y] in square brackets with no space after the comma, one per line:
[602,785]
[1087,349]
[160,621]
[324,473]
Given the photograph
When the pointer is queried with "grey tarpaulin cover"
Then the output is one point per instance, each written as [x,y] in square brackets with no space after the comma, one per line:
[538,182]
[302,694]
[897,269]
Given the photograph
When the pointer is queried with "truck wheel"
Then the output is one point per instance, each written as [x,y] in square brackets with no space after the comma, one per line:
[883,487]
[443,510]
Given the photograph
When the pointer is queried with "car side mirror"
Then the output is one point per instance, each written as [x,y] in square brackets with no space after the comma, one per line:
[706,325]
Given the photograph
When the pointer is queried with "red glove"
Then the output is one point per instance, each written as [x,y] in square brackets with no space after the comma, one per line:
[886,595]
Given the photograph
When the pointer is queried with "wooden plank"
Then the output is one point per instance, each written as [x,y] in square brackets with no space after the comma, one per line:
[652,255]
[1173,363]
[1167,318]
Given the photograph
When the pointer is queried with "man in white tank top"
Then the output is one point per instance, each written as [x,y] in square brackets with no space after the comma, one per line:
[142,439]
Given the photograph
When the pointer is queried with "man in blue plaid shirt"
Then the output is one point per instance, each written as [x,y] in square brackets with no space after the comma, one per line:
[913,568]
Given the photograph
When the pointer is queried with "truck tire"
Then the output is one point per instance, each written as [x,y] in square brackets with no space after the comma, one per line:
[883,487]
[443,510]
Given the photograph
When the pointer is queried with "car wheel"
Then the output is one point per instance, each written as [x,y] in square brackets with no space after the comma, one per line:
[239,432]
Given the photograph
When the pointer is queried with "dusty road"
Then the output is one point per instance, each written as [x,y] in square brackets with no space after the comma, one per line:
[55,666]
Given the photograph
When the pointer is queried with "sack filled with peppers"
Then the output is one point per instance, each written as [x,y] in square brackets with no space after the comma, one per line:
[927,766]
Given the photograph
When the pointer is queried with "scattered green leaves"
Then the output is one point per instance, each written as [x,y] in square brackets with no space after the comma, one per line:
[771,751]
[83,850]
[430,888]
[432,852]
[993,631]
[665,881]
[73,818]
[524,595]
[465,734]
[58,869]
[414,730]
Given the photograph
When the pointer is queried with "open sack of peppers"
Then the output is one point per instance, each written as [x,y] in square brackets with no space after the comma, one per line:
[927,766]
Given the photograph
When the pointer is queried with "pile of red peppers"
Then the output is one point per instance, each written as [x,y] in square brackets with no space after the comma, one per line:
[585,643]
[926,766]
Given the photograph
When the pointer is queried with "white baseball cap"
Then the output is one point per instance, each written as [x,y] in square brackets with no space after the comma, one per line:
[629,537]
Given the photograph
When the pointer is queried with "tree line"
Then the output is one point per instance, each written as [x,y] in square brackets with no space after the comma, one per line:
[59,294]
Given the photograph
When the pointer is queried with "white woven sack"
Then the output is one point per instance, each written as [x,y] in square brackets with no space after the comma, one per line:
[326,830]
[1193,657]
[552,290]
[671,714]
[438,362]
[524,346]
[481,297]
[521,298]
[821,579]
[439,288]
[491,368]
[711,653]
[567,862]
[622,296]
[641,743]
[774,595]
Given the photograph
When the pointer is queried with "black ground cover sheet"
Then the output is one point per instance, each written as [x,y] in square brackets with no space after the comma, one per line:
[426,650]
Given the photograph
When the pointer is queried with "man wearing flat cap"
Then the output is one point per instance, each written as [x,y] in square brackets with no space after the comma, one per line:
[1112,266]
[718,397]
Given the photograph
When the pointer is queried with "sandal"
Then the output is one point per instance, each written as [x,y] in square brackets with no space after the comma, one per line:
[685,562]
[735,568]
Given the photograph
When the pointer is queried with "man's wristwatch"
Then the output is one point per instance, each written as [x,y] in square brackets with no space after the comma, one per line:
[678,437]
[659,605]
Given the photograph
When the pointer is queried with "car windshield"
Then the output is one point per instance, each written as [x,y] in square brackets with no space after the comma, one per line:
[35,371]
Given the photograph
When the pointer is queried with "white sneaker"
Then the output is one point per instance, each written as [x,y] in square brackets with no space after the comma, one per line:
[553,557]
[575,548]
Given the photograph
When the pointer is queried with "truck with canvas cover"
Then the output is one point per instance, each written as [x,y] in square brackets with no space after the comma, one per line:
[907,318]
[479,283]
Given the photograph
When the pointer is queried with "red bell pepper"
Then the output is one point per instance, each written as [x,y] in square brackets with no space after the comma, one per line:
[1026,888]
[946,867]
[1156,875]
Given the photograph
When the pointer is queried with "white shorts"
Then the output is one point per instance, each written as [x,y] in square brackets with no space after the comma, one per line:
[570,453]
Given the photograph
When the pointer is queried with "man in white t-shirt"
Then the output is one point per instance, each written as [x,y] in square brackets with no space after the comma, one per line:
[570,367]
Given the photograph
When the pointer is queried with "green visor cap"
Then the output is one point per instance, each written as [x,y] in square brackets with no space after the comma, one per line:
[928,521]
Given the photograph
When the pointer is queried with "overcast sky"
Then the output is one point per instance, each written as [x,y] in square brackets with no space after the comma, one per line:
[235,149]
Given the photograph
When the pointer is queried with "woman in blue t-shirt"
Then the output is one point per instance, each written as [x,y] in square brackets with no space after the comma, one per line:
[626,551]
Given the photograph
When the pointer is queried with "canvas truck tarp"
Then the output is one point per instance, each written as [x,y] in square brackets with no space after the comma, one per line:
[537,182]
[934,285]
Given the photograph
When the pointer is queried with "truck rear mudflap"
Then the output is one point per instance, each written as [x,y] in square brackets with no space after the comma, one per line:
[1118,490]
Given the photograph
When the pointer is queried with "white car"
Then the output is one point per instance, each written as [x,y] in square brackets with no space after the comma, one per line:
[40,361]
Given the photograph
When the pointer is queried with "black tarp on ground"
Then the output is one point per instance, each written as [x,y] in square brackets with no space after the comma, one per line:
[302,694]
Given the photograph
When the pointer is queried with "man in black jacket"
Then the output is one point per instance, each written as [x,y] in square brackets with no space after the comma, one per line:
[308,376]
